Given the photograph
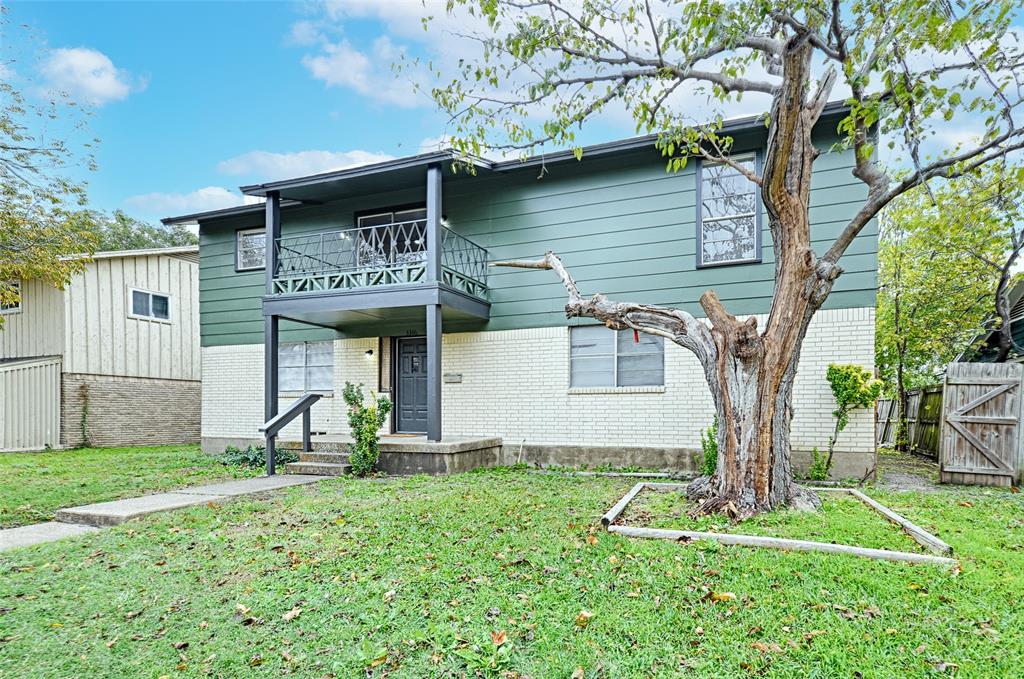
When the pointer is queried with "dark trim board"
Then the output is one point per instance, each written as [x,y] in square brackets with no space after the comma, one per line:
[382,297]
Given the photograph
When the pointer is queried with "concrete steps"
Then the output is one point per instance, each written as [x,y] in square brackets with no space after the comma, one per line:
[317,468]
[320,463]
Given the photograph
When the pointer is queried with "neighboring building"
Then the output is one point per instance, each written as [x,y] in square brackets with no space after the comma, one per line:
[113,359]
[358,290]
[985,347]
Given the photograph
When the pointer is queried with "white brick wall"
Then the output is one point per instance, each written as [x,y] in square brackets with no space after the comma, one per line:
[233,389]
[515,384]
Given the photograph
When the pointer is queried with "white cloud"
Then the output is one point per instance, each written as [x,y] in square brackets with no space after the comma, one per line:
[279,165]
[304,33]
[341,64]
[88,75]
[200,200]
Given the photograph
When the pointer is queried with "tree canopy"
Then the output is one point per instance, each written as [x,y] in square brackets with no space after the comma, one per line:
[539,70]
[44,232]
[119,231]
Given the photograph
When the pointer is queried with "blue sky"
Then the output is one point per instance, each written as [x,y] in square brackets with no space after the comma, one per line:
[190,100]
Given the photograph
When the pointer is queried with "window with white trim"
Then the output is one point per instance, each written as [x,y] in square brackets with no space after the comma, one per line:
[15,307]
[601,357]
[151,305]
[728,218]
[306,366]
[250,249]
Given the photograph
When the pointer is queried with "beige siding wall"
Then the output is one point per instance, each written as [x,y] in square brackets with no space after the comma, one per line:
[102,338]
[30,405]
[38,328]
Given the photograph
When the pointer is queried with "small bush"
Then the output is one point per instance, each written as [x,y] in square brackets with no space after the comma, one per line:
[255,456]
[820,466]
[365,422]
[709,444]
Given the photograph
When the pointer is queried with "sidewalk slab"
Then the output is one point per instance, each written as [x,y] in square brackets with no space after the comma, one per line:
[258,484]
[119,511]
[25,536]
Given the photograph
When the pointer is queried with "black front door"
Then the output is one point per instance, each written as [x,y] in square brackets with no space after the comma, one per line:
[412,385]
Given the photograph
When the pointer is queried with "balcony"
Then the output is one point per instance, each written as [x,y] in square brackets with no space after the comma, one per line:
[370,256]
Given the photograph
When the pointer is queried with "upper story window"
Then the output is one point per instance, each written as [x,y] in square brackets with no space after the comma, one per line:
[306,366]
[728,214]
[600,357]
[250,249]
[391,237]
[150,305]
[14,308]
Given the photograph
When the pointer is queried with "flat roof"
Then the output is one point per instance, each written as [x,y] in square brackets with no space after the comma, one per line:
[405,171]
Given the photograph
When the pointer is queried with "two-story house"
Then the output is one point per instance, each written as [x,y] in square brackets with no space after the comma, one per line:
[110,360]
[380,275]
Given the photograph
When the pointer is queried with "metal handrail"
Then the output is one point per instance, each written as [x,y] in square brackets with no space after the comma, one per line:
[272,427]
[377,247]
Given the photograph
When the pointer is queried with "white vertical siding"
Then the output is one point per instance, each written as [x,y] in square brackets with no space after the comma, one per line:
[38,328]
[103,339]
[30,404]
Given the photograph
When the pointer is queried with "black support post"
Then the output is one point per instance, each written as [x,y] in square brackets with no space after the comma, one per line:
[434,223]
[270,323]
[434,372]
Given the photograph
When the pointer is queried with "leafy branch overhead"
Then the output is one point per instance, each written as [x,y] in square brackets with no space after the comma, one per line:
[906,73]
[44,234]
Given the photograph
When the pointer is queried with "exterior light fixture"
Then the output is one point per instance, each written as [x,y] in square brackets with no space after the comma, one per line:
[369,354]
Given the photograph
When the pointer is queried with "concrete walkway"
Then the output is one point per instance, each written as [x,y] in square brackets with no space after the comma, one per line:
[87,518]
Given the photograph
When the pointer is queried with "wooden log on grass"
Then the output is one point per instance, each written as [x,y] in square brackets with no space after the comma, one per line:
[920,535]
[781,543]
[614,512]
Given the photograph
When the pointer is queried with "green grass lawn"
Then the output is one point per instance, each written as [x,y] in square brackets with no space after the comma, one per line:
[420,577]
[34,485]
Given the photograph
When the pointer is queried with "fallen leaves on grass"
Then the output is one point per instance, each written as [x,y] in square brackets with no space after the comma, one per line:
[723,596]
[292,614]
[498,638]
[583,619]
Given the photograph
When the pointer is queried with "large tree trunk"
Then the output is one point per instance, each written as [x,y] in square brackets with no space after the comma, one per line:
[750,374]
[753,376]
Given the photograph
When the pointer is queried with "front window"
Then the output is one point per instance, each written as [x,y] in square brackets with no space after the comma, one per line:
[600,357]
[11,289]
[250,249]
[306,366]
[394,237]
[150,305]
[728,219]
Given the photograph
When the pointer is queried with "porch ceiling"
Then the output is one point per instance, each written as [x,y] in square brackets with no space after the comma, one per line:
[348,318]
[382,304]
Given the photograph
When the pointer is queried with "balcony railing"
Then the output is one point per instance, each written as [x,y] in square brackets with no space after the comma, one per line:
[368,256]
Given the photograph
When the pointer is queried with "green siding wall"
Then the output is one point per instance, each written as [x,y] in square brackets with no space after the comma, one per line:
[622,224]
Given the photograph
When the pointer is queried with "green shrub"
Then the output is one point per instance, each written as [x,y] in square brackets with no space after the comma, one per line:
[820,466]
[852,387]
[365,422]
[709,444]
[255,456]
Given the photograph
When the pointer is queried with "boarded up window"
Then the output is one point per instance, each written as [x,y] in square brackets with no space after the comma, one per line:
[728,219]
[251,249]
[600,357]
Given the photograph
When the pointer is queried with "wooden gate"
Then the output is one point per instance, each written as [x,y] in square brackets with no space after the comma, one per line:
[980,429]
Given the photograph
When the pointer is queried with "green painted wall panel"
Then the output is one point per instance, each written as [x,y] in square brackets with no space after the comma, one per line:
[624,226]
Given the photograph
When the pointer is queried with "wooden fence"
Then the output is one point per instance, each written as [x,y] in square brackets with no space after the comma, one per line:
[981,441]
[924,415]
